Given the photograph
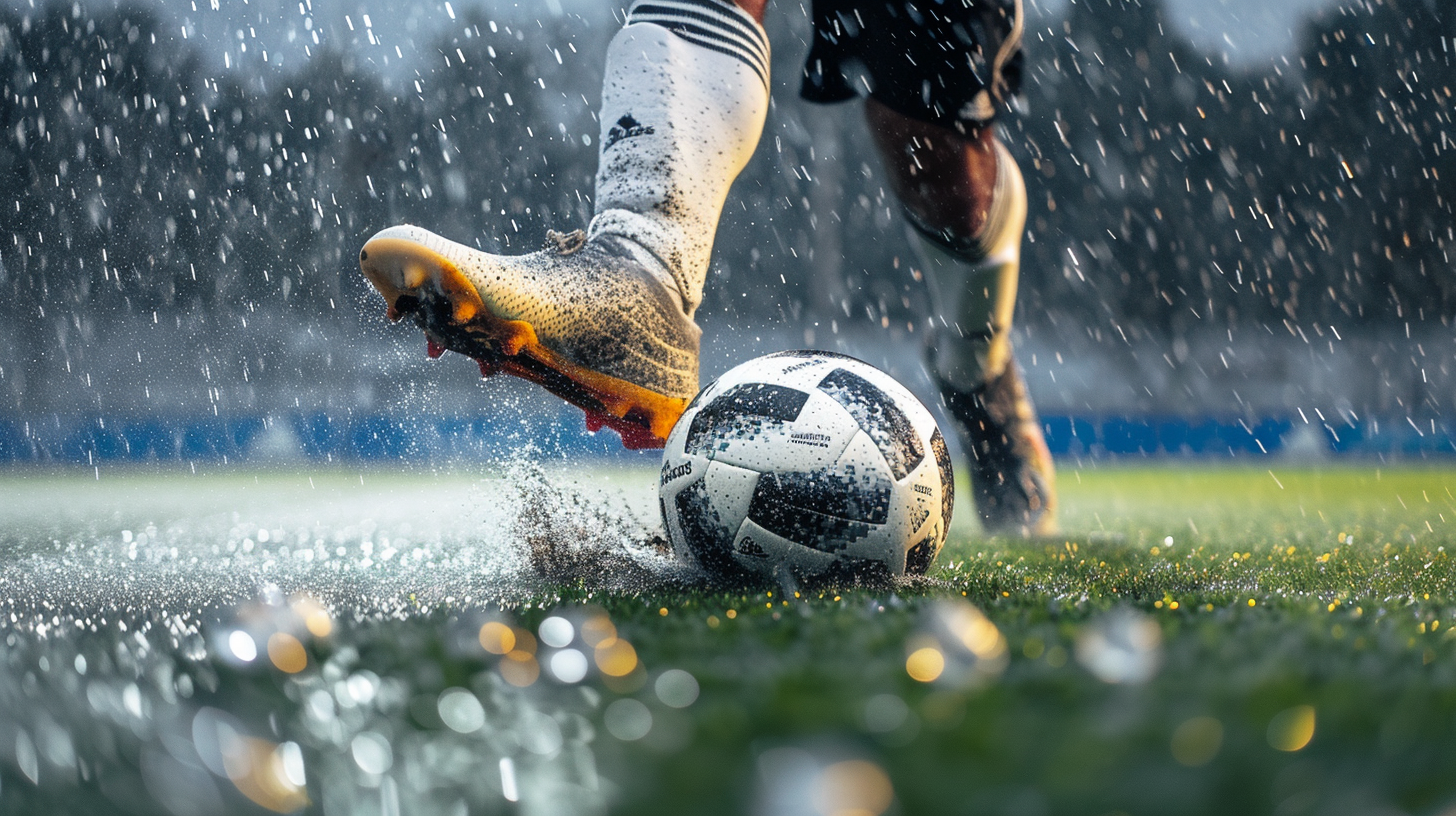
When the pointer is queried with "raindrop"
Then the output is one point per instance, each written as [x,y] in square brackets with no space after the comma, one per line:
[242,645]
[676,688]
[568,665]
[1123,646]
[556,631]
[460,711]
[884,713]
[628,720]
[372,753]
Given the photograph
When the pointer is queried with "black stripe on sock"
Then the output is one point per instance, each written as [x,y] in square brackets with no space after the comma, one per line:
[648,12]
[709,39]
[711,29]
[722,12]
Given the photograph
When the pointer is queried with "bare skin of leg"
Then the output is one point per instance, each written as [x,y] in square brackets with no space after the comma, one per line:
[945,178]
[755,8]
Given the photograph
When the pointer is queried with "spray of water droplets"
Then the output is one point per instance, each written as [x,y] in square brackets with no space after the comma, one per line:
[285,640]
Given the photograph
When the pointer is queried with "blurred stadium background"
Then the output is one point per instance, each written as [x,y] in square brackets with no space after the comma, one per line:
[1240,241]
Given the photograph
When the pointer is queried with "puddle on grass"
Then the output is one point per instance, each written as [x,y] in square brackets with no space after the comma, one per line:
[275,644]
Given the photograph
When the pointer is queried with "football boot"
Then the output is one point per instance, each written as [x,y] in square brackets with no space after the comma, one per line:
[1013,480]
[596,322]
[603,319]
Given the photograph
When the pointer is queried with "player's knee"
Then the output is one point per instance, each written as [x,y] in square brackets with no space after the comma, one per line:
[989,223]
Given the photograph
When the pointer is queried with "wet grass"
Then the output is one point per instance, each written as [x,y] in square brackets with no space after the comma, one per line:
[1283,637]
[1273,591]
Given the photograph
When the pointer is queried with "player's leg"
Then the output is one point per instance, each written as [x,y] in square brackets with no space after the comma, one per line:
[965,199]
[604,318]
[935,74]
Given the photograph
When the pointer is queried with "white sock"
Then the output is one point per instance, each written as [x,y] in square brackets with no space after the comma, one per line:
[976,297]
[683,105]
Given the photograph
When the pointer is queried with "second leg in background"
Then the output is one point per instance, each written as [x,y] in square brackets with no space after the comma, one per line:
[936,77]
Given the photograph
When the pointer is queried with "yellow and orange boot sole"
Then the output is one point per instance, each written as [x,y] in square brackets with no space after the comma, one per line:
[421,277]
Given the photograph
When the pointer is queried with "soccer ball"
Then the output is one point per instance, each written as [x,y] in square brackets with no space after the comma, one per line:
[810,462]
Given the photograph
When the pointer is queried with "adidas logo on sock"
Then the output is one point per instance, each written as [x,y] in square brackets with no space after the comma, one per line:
[626,128]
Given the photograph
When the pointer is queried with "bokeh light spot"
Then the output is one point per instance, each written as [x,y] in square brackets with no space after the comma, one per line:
[520,668]
[556,631]
[853,788]
[316,619]
[319,623]
[243,647]
[598,630]
[616,658]
[289,759]
[509,790]
[925,664]
[287,653]
[676,688]
[1121,646]
[372,753]
[497,638]
[1196,741]
[525,641]
[260,773]
[1292,728]
[884,713]
[1033,648]
[628,720]
[460,711]
[569,666]
[973,648]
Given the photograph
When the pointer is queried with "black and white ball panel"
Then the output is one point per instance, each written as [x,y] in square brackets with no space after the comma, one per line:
[825,509]
[876,413]
[760,552]
[941,453]
[749,424]
[927,520]
[707,509]
[743,410]
[809,460]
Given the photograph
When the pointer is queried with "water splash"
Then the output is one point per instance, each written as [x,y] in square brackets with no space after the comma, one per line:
[283,641]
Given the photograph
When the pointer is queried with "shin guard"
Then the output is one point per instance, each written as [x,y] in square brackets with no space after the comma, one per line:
[973,286]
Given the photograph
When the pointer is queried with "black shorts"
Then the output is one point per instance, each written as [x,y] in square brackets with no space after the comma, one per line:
[942,61]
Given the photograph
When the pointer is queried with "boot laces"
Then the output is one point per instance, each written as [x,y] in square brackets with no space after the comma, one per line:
[565,243]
